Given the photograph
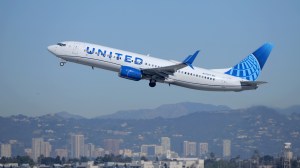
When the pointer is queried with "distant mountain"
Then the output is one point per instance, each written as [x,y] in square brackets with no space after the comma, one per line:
[166,111]
[66,115]
[290,110]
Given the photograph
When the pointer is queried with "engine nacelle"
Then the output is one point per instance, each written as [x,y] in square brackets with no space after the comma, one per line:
[130,73]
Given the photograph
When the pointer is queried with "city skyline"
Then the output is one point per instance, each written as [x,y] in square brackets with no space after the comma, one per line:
[190,150]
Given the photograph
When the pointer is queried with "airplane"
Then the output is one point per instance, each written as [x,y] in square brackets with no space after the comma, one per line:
[133,66]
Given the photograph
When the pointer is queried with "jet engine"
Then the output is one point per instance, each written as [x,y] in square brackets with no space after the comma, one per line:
[130,73]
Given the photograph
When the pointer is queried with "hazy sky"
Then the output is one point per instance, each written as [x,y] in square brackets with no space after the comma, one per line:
[33,83]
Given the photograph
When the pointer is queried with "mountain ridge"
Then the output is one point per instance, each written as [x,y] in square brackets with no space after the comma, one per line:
[165,111]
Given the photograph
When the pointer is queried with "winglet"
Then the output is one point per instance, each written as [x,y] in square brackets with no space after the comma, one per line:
[190,59]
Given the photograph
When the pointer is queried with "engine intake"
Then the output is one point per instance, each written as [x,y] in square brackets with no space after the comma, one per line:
[130,73]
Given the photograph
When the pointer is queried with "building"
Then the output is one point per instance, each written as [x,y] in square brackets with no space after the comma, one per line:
[62,153]
[203,149]
[189,149]
[28,152]
[36,148]
[77,146]
[185,148]
[287,155]
[191,162]
[127,153]
[226,148]
[89,150]
[148,150]
[46,149]
[99,152]
[166,145]
[40,147]
[5,150]
[192,149]
[159,151]
[112,146]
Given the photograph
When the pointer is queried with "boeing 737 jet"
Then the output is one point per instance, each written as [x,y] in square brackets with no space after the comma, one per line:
[135,67]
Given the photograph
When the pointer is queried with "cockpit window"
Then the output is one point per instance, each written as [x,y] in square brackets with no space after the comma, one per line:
[61,44]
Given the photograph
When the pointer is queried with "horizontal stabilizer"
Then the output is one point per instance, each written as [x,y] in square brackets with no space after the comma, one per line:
[252,83]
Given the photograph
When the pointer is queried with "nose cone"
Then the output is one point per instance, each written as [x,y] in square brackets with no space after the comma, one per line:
[52,49]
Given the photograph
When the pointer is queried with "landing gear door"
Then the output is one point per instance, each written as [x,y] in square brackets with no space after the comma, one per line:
[75,49]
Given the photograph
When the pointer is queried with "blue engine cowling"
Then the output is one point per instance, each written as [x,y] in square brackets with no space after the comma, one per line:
[130,73]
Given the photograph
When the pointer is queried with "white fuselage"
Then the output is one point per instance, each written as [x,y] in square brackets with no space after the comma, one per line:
[112,59]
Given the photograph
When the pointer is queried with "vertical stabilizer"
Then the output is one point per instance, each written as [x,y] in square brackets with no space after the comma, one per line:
[251,66]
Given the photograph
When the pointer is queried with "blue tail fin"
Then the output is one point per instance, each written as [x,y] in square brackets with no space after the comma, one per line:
[251,66]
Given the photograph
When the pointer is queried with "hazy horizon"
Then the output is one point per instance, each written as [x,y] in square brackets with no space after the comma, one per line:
[122,110]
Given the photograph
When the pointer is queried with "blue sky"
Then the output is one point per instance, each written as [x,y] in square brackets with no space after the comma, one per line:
[33,83]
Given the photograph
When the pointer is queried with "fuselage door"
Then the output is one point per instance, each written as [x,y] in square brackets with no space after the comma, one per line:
[75,49]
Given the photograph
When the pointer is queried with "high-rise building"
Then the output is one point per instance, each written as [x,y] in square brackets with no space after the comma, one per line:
[192,149]
[112,145]
[40,147]
[185,148]
[203,149]
[45,149]
[189,149]
[166,145]
[36,148]
[226,148]
[89,150]
[5,150]
[287,155]
[77,146]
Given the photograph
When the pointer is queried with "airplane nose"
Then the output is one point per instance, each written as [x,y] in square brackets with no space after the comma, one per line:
[52,48]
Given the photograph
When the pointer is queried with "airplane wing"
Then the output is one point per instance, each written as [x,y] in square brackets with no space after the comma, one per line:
[164,72]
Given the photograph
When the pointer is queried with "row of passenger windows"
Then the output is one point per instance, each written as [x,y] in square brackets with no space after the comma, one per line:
[156,66]
[196,75]
[187,73]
